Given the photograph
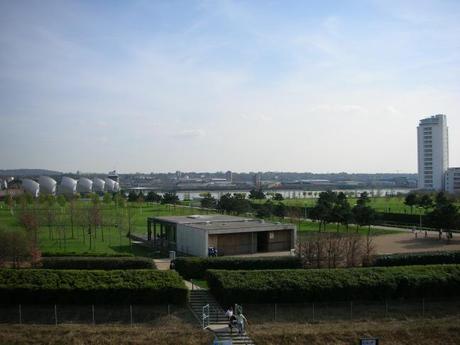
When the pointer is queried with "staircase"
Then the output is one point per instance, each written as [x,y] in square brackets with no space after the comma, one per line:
[218,322]
[200,298]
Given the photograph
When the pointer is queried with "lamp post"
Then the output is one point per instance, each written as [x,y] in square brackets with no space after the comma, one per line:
[420,215]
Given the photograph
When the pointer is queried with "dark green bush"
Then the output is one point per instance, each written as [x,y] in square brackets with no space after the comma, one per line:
[376,283]
[91,287]
[97,263]
[428,258]
[86,254]
[194,267]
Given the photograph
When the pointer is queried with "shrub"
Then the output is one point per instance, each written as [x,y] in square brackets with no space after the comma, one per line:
[428,258]
[377,283]
[90,287]
[87,254]
[97,263]
[193,267]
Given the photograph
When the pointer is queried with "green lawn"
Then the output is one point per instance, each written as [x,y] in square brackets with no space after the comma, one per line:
[392,204]
[108,239]
[111,239]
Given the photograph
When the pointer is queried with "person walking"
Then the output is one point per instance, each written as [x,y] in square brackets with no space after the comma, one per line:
[240,322]
[231,318]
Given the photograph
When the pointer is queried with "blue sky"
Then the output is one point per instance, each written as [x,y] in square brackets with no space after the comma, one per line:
[322,86]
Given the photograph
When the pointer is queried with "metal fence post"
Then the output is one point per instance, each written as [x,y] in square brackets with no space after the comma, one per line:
[351,309]
[20,314]
[313,311]
[169,310]
[274,311]
[92,310]
[131,314]
[423,307]
[386,308]
[55,315]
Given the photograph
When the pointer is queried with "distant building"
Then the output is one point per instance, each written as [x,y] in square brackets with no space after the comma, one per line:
[452,180]
[194,235]
[229,176]
[113,175]
[258,180]
[433,152]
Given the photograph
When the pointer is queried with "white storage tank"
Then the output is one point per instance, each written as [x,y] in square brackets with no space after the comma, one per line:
[109,185]
[116,187]
[68,186]
[30,186]
[98,185]
[85,185]
[47,185]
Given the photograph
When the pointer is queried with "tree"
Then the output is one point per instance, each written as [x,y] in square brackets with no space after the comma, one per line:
[153,197]
[323,210]
[107,198]
[279,210]
[208,201]
[363,199]
[16,248]
[170,198]
[363,215]
[265,210]
[445,214]
[425,201]
[278,197]
[256,194]
[236,203]
[30,222]
[411,200]
[9,201]
[342,213]
[132,196]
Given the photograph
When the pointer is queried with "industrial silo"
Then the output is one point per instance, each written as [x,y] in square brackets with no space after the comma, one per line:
[47,185]
[110,185]
[68,186]
[98,185]
[30,186]
[85,185]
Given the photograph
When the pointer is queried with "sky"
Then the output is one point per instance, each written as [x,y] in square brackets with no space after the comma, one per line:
[158,86]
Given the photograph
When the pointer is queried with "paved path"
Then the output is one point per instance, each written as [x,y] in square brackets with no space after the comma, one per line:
[162,264]
[408,243]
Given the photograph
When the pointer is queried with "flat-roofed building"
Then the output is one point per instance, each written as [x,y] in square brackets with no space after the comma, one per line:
[433,152]
[452,182]
[194,235]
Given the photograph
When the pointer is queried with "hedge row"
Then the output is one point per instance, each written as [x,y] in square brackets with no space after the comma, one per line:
[194,267]
[91,287]
[379,283]
[428,258]
[86,254]
[97,263]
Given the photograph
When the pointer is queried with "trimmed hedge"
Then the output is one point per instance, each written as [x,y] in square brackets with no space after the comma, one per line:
[87,254]
[91,287]
[194,267]
[97,263]
[377,283]
[426,258]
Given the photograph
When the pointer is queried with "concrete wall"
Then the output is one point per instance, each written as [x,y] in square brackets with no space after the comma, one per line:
[279,240]
[192,241]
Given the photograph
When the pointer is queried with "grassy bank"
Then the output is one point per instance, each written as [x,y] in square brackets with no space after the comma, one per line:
[401,332]
[167,331]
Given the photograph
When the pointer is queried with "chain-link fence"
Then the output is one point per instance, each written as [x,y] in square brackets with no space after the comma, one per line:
[89,314]
[351,310]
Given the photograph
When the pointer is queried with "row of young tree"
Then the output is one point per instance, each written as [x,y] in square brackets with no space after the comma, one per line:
[331,207]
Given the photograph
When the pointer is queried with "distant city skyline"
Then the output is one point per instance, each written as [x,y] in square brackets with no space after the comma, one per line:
[225,85]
